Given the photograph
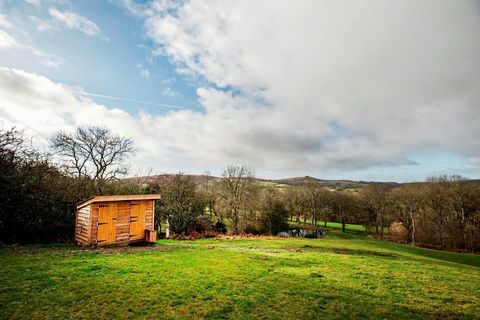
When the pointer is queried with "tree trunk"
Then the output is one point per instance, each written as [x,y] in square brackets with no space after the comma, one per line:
[413,229]
[381,226]
[235,221]
[471,240]
[464,227]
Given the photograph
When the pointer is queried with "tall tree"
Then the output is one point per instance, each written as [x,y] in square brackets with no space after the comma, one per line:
[294,202]
[236,186]
[466,204]
[273,214]
[316,200]
[407,202]
[374,202]
[180,203]
[344,207]
[93,152]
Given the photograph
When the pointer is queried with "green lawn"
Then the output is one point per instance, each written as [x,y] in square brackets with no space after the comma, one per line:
[340,276]
[357,228]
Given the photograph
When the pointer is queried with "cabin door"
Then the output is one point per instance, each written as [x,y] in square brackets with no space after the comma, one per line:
[137,220]
[107,216]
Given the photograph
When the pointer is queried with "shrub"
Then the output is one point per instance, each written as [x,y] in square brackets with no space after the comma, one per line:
[220,227]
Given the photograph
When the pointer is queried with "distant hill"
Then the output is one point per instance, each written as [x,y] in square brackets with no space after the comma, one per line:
[278,183]
[331,184]
[165,177]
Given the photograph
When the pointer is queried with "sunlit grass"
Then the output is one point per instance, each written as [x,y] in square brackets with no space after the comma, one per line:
[341,276]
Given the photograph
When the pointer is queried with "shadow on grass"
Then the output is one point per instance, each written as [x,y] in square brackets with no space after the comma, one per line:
[344,251]
[461,258]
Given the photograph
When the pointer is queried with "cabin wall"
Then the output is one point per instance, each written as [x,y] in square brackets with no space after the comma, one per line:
[83,226]
[94,223]
[150,214]
[122,221]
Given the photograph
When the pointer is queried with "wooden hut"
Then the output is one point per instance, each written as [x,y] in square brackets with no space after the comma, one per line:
[106,220]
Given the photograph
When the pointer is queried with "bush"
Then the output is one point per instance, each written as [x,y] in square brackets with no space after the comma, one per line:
[220,227]
[181,205]
[37,201]
[273,216]
[200,225]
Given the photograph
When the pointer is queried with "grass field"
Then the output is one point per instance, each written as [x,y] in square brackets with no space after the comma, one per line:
[356,228]
[340,276]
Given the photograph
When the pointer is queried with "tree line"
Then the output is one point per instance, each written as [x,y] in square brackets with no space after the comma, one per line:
[39,190]
[443,212]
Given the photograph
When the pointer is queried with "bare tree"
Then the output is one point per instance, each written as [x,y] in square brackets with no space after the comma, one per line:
[316,200]
[374,202]
[438,203]
[466,204]
[11,140]
[235,188]
[344,207]
[273,213]
[93,152]
[407,202]
[295,202]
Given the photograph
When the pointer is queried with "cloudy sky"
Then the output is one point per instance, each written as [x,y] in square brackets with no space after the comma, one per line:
[370,90]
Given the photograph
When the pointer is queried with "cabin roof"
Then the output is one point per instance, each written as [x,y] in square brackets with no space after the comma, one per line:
[118,198]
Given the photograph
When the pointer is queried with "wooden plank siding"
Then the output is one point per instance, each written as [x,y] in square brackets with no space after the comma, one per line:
[87,218]
[150,214]
[94,224]
[123,221]
[82,226]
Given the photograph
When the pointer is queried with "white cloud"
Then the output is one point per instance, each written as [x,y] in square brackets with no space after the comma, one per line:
[42,106]
[41,25]
[328,84]
[35,3]
[307,86]
[169,92]
[4,23]
[74,21]
[145,73]
[168,80]
[7,41]
[10,45]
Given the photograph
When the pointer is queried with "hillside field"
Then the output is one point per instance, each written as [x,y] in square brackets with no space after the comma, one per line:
[337,277]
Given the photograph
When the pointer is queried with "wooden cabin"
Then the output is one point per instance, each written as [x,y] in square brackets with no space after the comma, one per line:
[107,220]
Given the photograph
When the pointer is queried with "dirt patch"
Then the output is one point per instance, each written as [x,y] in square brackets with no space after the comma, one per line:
[102,250]
[292,249]
[135,249]
[363,252]
[308,248]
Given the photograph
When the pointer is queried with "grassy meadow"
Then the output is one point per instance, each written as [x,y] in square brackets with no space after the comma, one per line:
[337,277]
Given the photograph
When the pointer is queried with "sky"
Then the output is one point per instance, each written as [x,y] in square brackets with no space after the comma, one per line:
[362,89]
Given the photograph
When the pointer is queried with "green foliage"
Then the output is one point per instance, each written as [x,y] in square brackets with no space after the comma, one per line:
[181,204]
[273,214]
[36,199]
[342,276]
